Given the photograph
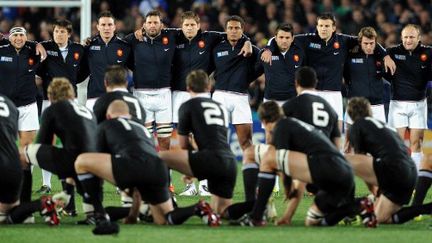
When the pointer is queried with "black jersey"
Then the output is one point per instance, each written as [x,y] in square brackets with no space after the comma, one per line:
[8,133]
[126,138]
[293,134]
[207,120]
[313,109]
[135,107]
[368,135]
[74,124]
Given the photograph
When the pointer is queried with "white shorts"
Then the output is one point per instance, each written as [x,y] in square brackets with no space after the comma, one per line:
[378,113]
[237,106]
[178,98]
[279,102]
[90,103]
[28,118]
[411,114]
[157,104]
[334,98]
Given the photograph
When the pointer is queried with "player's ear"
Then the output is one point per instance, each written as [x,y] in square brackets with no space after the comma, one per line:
[108,116]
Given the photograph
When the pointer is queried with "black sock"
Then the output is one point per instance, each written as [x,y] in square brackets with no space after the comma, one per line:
[266,182]
[180,215]
[423,183]
[92,187]
[116,213]
[27,184]
[337,215]
[19,213]
[407,213]
[70,190]
[235,211]
[250,178]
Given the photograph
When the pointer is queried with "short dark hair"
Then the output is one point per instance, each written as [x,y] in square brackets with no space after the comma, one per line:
[115,75]
[197,81]
[63,23]
[235,18]
[154,13]
[367,32]
[190,15]
[358,107]
[105,14]
[269,111]
[285,27]
[327,16]
[306,77]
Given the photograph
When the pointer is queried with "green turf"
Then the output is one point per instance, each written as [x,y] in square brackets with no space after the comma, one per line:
[194,231]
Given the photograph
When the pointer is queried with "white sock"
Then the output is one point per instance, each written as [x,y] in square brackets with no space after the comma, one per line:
[46,178]
[276,186]
[417,157]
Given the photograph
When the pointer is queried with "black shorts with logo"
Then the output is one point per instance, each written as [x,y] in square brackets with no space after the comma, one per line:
[218,167]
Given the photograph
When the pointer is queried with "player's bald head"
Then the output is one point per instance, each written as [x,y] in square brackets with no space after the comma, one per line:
[60,89]
[118,108]
[359,107]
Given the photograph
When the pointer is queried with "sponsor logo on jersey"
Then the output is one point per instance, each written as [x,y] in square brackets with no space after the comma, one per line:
[165,40]
[6,59]
[30,61]
[423,57]
[296,58]
[400,57]
[315,45]
[181,46]
[95,48]
[357,60]
[201,52]
[201,44]
[275,58]
[222,53]
[336,45]
[76,56]
[119,52]
[52,53]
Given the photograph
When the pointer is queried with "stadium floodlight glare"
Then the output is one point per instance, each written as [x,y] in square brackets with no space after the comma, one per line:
[84,5]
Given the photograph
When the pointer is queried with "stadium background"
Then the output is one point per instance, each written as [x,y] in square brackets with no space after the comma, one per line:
[261,16]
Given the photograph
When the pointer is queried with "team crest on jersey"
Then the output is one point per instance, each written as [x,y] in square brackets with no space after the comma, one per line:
[6,59]
[423,57]
[296,58]
[275,58]
[400,57]
[30,61]
[222,53]
[181,46]
[315,45]
[378,64]
[201,44]
[52,53]
[357,60]
[76,56]
[336,45]
[95,48]
[165,40]
[119,52]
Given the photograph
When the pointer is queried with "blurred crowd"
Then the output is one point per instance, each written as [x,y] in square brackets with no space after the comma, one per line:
[262,16]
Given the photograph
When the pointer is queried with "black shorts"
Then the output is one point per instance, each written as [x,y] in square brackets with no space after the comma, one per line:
[149,175]
[10,182]
[334,179]
[59,161]
[396,179]
[218,167]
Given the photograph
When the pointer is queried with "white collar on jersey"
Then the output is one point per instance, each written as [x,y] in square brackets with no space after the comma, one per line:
[120,89]
[312,92]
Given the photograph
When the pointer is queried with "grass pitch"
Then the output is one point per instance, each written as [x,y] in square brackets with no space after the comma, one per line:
[194,231]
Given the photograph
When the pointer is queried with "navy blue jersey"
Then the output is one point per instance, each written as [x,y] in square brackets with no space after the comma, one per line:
[233,72]
[55,66]
[98,56]
[279,77]
[413,71]
[363,76]
[73,123]
[152,59]
[9,156]
[18,70]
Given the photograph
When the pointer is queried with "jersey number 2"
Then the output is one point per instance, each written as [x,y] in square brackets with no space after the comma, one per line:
[4,109]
